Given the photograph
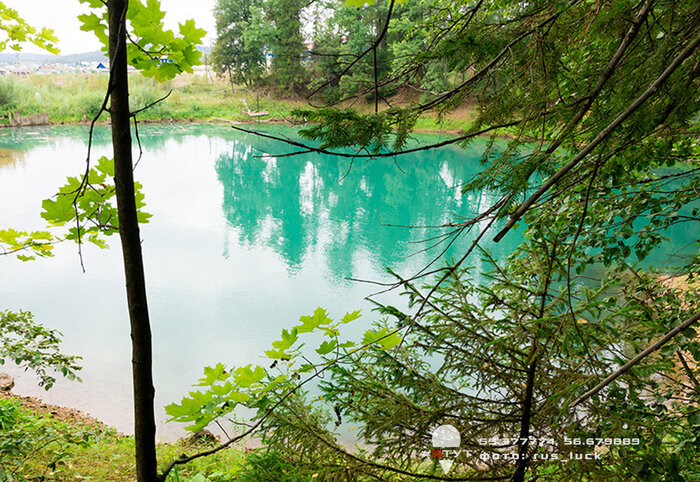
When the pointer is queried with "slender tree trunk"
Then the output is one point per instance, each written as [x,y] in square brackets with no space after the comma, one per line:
[145,429]
[523,458]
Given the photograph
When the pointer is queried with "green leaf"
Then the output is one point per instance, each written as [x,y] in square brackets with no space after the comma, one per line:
[276,354]
[245,377]
[348,317]
[288,339]
[238,397]
[93,3]
[106,166]
[326,347]
[694,419]
[383,338]
[310,323]
[191,33]
[213,375]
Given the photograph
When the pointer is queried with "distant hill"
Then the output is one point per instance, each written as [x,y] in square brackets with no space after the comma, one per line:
[48,59]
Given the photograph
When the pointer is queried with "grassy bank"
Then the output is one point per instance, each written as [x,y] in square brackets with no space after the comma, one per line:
[70,97]
[38,445]
[75,97]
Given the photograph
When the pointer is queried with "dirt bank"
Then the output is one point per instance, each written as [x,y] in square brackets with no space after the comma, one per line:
[70,415]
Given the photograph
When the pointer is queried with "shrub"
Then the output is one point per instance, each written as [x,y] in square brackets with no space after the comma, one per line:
[7,94]
[32,445]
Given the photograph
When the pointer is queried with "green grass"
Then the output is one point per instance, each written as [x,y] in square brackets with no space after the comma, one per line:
[432,123]
[70,97]
[36,446]
[73,97]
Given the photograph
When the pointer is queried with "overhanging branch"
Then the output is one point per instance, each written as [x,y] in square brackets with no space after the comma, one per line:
[652,348]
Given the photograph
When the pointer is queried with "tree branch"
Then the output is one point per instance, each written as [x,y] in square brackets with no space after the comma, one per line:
[652,348]
[651,90]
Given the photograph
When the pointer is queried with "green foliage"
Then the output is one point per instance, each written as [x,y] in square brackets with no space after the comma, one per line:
[36,446]
[346,128]
[36,243]
[344,37]
[260,388]
[17,31]
[360,3]
[242,34]
[35,348]
[89,204]
[85,210]
[248,31]
[270,465]
[153,50]
[40,447]
[288,47]
[32,446]
[7,94]
[517,62]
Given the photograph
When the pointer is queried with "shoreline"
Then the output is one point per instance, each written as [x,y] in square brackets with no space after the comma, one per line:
[219,120]
[66,414]
[272,120]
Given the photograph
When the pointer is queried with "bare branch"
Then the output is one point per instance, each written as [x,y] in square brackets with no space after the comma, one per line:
[307,148]
[372,48]
[652,348]
[152,103]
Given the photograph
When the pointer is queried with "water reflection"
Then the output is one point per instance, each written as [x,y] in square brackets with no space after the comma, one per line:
[10,157]
[301,204]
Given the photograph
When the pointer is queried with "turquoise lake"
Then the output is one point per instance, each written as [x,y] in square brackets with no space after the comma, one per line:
[239,246]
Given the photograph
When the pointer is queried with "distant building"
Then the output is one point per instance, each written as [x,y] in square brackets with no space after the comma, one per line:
[21,72]
[65,69]
[46,69]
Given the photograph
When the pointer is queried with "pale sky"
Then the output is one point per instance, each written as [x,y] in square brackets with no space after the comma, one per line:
[61,16]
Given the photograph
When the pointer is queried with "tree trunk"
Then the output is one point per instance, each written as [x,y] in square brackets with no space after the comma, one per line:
[145,429]
[523,457]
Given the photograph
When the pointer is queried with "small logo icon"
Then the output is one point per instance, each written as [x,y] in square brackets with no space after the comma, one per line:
[445,437]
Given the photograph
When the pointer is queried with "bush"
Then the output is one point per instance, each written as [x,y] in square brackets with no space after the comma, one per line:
[269,465]
[32,445]
[7,94]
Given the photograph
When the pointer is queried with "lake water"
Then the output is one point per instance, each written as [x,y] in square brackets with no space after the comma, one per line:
[238,248]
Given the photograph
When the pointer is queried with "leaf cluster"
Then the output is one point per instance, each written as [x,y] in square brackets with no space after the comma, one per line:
[152,49]
[26,438]
[17,31]
[84,209]
[35,348]
[270,390]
